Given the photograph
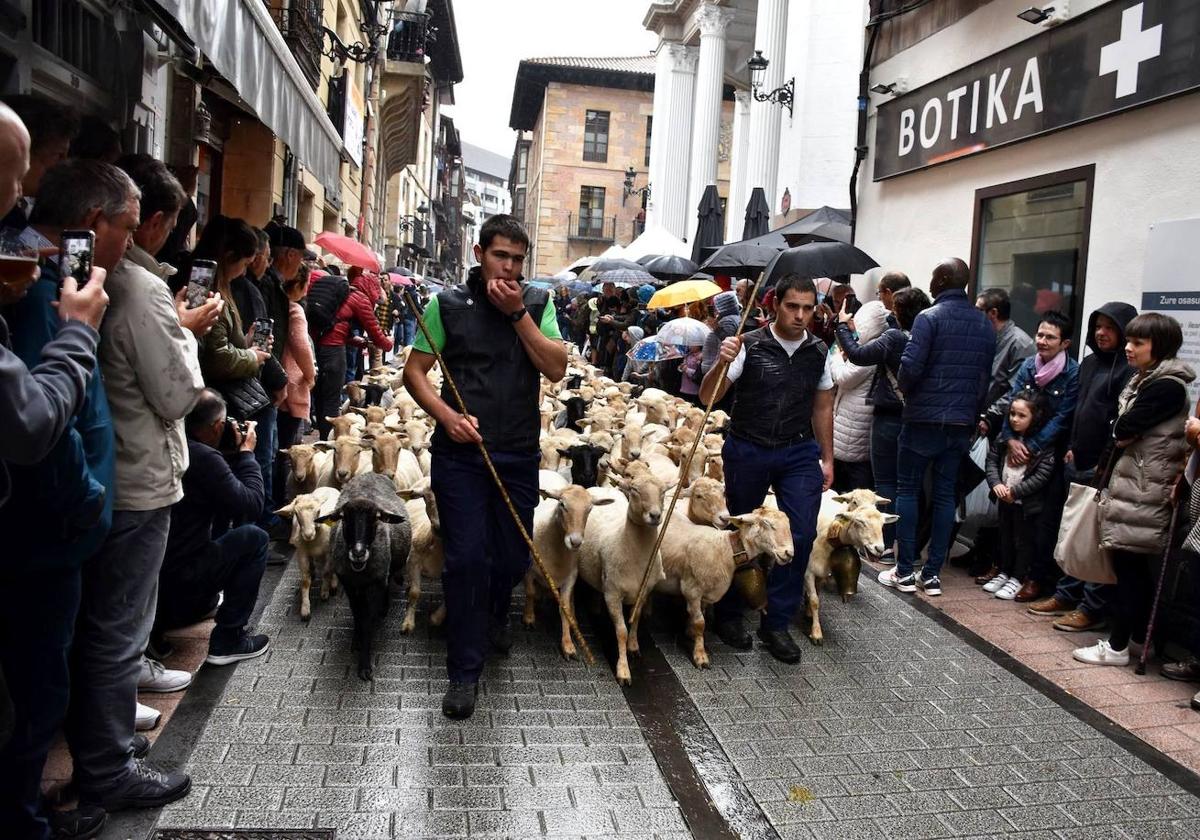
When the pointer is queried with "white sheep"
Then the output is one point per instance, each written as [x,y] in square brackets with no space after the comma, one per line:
[559,523]
[699,561]
[310,538]
[616,549]
[427,557]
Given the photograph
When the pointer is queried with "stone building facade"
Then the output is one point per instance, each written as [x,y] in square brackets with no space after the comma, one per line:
[584,123]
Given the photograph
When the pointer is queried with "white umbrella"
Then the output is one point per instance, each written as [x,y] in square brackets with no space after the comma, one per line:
[684,332]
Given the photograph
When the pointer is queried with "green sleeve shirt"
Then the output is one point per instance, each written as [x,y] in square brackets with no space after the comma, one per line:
[437,332]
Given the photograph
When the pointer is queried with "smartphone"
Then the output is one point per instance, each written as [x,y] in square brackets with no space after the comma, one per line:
[75,255]
[853,304]
[263,328]
[201,282]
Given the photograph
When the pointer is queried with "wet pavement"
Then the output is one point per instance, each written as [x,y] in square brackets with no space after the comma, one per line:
[896,727]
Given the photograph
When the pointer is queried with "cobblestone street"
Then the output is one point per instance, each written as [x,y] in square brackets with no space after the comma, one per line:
[896,727]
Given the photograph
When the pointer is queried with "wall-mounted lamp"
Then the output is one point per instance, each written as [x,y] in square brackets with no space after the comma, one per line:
[630,175]
[783,95]
[896,88]
[1047,15]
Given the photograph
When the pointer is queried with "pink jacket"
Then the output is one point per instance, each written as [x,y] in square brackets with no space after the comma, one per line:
[298,362]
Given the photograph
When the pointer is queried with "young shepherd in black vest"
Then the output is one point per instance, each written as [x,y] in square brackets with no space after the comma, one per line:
[780,437]
[496,336]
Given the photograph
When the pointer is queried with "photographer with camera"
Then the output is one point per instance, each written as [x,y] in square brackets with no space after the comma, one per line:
[223,482]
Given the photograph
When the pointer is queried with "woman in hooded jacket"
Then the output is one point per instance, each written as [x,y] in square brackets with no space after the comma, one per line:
[853,413]
[1148,450]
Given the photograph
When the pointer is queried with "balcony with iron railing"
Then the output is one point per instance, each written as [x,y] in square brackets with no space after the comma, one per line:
[591,228]
[299,22]
[409,38]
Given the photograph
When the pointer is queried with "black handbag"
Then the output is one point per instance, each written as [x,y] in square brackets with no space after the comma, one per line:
[244,397]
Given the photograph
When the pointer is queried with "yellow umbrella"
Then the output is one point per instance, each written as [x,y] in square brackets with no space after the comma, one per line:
[685,291]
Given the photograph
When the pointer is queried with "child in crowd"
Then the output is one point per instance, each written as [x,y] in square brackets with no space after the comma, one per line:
[1020,490]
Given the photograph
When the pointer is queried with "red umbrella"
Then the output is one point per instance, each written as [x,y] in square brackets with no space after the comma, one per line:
[349,251]
[400,279]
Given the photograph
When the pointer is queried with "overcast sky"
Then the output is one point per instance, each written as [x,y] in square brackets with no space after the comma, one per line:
[494,35]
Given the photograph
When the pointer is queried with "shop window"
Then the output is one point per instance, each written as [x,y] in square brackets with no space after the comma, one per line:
[591,212]
[1031,239]
[595,136]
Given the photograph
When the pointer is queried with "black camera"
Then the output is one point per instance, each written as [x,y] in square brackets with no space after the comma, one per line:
[235,432]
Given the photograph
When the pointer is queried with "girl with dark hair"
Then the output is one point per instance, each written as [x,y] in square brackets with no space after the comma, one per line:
[1020,490]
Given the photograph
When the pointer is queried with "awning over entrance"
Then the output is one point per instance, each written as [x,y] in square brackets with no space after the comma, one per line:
[243,43]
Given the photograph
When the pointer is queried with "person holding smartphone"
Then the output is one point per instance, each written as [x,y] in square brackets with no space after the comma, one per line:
[497,337]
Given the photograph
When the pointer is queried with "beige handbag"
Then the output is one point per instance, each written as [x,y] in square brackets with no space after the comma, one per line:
[1078,550]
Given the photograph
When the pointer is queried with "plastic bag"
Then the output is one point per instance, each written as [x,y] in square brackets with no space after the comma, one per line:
[978,506]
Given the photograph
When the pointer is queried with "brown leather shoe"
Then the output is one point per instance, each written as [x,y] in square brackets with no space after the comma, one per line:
[1028,592]
[1077,621]
[988,575]
[1188,670]
[1049,606]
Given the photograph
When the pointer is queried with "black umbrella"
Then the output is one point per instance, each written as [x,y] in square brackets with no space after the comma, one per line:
[819,259]
[758,215]
[740,259]
[642,260]
[711,227]
[612,264]
[671,268]
[827,232]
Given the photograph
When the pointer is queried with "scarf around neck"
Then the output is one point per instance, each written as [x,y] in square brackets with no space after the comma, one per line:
[1045,372]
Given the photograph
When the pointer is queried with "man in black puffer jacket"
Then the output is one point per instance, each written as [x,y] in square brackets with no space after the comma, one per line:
[1102,376]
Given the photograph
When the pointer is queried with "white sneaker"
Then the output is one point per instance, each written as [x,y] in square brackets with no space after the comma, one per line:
[997,583]
[1101,653]
[1008,592]
[889,577]
[147,718]
[160,680]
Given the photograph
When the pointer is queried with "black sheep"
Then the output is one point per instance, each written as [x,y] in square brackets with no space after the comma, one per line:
[374,393]
[370,543]
[585,463]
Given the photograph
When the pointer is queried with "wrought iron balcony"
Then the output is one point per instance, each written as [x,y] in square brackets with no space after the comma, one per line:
[409,38]
[299,22]
[592,228]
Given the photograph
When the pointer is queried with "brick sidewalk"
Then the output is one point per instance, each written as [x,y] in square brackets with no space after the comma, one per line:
[1155,709]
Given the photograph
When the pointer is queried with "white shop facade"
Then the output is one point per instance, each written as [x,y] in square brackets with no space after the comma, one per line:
[1050,158]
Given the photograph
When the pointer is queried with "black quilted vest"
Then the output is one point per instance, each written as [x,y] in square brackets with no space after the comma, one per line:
[773,398]
[489,364]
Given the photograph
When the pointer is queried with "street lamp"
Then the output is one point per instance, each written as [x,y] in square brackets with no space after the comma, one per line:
[783,95]
[1035,15]
[411,223]
[630,175]
[363,52]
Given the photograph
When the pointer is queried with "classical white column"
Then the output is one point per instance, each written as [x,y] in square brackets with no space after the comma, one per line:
[770,32]
[739,189]
[710,81]
[677,145]
[660,129]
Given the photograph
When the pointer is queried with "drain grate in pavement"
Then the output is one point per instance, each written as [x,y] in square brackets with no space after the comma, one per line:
[242,834]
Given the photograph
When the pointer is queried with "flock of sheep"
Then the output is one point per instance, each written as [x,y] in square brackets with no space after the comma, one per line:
[363,514]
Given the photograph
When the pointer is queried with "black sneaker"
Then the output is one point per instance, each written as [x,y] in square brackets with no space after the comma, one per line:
[500,635]
[780,644]
[733,632]
[80,823]
[930,586]
[459,702]
[159,648]
[144,787]
[140,744]
[246,647]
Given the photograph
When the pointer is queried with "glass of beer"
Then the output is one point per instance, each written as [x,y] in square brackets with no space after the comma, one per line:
[18,266]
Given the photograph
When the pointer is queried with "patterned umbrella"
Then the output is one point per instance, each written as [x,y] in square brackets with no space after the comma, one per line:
[684,332]
[652,350]
[625,277]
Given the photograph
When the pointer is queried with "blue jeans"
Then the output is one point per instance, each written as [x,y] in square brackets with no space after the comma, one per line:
[795,474]
[1092,598]
[885,448]
[410,331]
[264,452]
[235,567]
[120,591]
[923,444]
[485,554]
[36,628]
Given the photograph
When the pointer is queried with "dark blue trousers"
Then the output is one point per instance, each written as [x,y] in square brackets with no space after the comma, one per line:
[235,567]
[36,629]
[485,554]
[795,475]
